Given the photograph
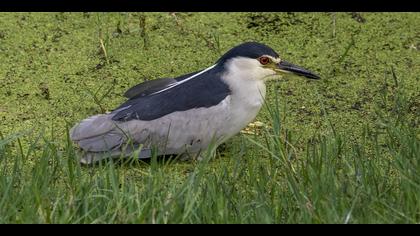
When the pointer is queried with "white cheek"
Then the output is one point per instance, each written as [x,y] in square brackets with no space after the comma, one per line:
[248,69]
[267,72]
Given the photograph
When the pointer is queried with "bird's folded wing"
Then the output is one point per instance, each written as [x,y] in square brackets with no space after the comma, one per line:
[153,86]
[148,87]
[206,91]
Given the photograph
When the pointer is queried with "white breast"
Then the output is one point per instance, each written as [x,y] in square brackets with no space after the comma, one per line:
[244,107]
[245,79]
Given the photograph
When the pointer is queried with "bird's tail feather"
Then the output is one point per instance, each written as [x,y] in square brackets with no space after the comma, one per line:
[89,158]
[92,127]
[97,134]
[99,138]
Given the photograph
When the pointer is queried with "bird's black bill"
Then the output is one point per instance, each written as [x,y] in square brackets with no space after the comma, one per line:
[286,66]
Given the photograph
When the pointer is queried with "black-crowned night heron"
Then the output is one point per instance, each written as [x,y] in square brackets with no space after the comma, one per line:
[184,115]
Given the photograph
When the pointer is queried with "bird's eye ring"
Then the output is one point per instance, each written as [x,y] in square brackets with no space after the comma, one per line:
[264,60]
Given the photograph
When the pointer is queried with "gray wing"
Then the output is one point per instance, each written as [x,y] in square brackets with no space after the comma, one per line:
[152,86]
[149,87]
[100,138]
[206,91]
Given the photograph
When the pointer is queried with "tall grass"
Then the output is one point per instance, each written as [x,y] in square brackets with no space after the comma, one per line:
[273,179]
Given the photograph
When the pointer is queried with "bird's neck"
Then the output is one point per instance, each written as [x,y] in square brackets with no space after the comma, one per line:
[246,99]
[245,89]
[248,94]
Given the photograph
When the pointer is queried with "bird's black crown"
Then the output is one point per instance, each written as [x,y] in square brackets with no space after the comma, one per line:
[248,49]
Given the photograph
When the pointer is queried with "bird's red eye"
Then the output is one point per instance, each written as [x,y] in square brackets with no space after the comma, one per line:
[264,60]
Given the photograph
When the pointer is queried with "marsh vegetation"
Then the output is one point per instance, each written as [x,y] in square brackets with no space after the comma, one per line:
[344,149]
